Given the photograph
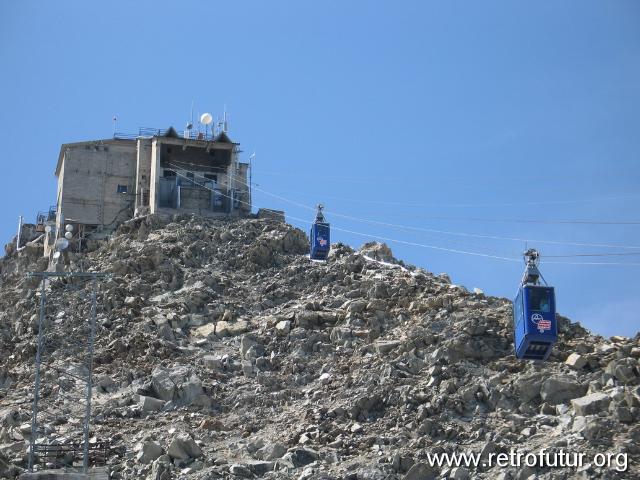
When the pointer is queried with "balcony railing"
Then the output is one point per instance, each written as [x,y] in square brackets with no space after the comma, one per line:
[49,216]
[148,132]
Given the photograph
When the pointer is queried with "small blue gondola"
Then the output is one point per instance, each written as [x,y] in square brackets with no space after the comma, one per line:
[320,238]
[534,314]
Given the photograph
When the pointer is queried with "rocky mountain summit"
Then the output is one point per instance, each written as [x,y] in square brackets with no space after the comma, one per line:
[222,351]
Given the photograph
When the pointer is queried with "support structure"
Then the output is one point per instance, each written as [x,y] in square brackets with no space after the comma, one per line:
[86,352]
[531,274]
[36,390]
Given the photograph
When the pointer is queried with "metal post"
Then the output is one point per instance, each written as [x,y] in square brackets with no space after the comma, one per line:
[231,185]
[251,157]
[19,233]
[92,334]
[36,393]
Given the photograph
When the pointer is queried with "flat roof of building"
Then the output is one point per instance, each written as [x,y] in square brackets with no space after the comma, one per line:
[222,139]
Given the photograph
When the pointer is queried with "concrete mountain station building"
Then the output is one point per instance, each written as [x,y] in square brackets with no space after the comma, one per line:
[102,183]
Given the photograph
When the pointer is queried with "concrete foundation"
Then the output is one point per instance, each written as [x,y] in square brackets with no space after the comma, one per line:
[100,473]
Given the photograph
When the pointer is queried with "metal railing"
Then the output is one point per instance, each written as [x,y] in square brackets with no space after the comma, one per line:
[49,216]
[65,453]
[148,132]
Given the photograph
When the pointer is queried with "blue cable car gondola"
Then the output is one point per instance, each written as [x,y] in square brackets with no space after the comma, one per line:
[319,237]
[534,313]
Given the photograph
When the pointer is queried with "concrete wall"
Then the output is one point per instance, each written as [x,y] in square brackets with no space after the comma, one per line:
[156,173]
[88,183]
[143,175]
[59,218]
[195,199]
[242,188]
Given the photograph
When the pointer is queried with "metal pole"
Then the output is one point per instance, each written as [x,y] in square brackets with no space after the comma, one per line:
[19,233]
[250,181]
[92,334]
[231,185]
[36,393]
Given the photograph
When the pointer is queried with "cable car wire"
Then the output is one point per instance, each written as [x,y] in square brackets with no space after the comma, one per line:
[470,205]
[404,242]
[593,255]
[434,247]
[445,232]
[553,222]
[513,259]
[395,225]
[463,205]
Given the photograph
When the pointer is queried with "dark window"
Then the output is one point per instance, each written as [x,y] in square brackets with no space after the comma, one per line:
[211,176]
[169,173]
[122,189]
[517,307]
[539,300]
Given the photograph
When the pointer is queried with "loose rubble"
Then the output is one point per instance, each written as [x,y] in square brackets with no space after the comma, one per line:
[223,352]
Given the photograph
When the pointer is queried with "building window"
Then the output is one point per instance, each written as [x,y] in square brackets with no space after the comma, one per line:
[169,173]
[190,182]
[122,188]
[211,176]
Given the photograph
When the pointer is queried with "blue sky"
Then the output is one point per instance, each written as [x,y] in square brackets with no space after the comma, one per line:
[456,116]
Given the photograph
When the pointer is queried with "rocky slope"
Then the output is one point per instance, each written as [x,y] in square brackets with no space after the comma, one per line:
[223,352]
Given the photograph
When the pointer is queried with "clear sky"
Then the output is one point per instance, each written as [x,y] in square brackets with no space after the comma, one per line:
[457,116]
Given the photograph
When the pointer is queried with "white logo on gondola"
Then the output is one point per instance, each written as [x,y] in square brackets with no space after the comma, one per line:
[540,322]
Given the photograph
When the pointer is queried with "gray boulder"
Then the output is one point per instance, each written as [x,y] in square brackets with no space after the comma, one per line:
[385,346]
[625,370]
[240,470]
[283,328]
[299,457]
[183,447]
[148,452]
[561,389]
[163,386]
[176,384]
[150,404]
[271,451]
[528,386]
[591,404]
[421,471]
[576,361]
